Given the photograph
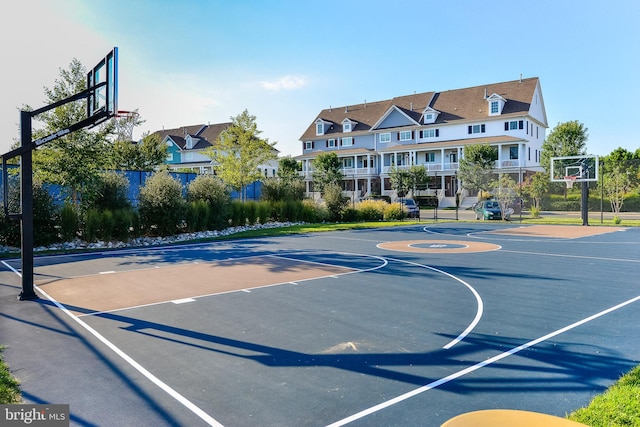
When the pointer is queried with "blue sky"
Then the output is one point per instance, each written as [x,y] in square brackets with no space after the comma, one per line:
[202,61]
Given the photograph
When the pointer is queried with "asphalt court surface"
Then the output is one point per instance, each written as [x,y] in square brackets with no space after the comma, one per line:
[404,326]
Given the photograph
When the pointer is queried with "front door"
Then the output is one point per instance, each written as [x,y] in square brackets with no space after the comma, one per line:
[450,186]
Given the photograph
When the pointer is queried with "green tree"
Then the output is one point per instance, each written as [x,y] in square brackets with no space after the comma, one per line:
[616,185]
[239,151]
[504,190]
[535,187]
[327,170]
[566,139]
[476,167]
[74,160]
[289,168]
[400,180]
[622,160]
[145,155]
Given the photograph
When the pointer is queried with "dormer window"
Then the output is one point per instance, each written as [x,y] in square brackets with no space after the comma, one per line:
[429,115]
[320,127]
[348,125]
[496,104]
[189,142]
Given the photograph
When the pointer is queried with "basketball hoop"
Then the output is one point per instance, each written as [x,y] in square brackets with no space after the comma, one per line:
[570,180]
[125,121]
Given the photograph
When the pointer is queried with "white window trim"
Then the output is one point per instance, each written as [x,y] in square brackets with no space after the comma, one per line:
[331,143]
[319,128]
[404,134]
[308,145]
[347,141]
[387,137]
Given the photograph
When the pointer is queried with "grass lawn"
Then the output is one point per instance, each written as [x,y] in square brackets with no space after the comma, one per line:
[618,406]
[9,386]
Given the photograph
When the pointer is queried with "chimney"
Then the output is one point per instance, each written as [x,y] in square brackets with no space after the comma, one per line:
[411,106]
[346,109]
[520,77]
[485,93]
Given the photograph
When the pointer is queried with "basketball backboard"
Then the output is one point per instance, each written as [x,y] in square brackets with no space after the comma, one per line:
[102,82]
[576,168]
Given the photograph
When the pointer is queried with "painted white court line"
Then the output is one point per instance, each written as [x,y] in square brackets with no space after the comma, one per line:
[573,256]
[183,300]
[479,365]
[479,309]
[155,380]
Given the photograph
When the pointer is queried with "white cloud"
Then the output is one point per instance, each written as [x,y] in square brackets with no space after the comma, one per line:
[285,83]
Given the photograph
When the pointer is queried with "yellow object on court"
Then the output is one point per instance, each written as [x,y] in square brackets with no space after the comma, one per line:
[508,418]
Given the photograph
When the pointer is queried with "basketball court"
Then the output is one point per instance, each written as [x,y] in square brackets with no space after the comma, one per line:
[406,326]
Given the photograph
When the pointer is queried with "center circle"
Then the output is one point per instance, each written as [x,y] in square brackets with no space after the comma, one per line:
[434,245]
[438,246]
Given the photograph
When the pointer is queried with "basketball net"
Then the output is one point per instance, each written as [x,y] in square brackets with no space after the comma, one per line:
[125,121]
[570,180]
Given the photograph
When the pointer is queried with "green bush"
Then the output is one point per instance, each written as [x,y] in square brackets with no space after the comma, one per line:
[278,189]
[111,192]
[335,201]
[313,212]
[161,206]
[238,216]
[263,212]
[350,214]
[92,225]
[45,217]
[212,190]
[69,222]
[251,211]
[198,212]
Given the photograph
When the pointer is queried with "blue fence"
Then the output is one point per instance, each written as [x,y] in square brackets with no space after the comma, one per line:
[137,180]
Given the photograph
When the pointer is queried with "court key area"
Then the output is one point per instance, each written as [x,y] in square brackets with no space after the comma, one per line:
[404,326]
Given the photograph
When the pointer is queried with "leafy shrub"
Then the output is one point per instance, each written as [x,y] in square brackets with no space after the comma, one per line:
[393,212]
[616,220]
[111,192]
[45,217]
[161,205]
[212,190]
[350,214]
[108,225]
[313,212]
[278,189]
[334,200]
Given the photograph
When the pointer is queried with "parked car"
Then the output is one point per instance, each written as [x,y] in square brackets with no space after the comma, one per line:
[487,209]
[411,208]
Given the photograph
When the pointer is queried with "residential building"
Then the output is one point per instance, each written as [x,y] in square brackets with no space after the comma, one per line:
[430,129]
[186,144]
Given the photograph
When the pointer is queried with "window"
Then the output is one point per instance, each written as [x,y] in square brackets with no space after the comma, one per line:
[430,133]
[347,162]
[308,145]
[331,143]
[385,137]
[405,135]
[430,157]
[347,141]
[514,125]
[319,128]
[346,126]
[476,129]
[513,153]
[428,117]
[495,107]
